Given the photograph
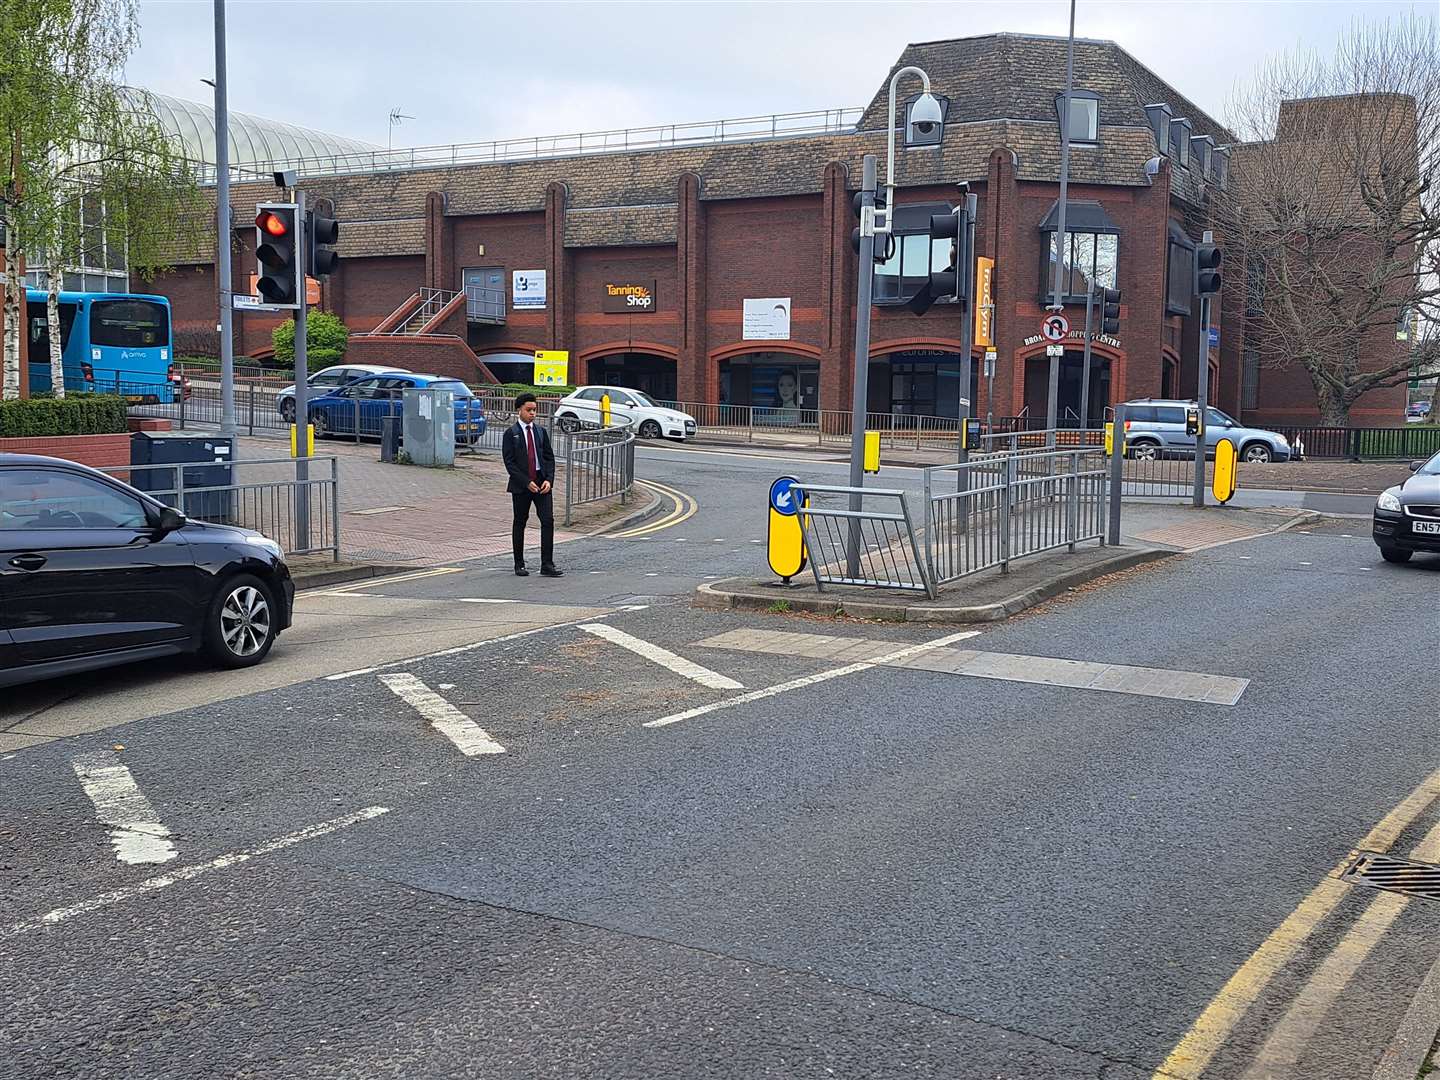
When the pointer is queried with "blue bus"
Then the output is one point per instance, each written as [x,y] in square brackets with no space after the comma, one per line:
[111,343]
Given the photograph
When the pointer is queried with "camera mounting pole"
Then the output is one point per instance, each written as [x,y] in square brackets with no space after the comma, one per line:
[923,116]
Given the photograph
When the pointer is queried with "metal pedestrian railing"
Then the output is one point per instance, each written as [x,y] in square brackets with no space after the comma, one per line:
[598,463]
[874,545]
[302,516]
[993,510]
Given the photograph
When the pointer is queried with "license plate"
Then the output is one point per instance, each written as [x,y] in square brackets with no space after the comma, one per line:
[1425,527]
[467,427]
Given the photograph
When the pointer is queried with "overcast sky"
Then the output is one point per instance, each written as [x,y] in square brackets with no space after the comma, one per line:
[473,71]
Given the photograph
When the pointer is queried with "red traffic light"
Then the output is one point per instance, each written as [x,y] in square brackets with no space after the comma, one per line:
[273,224]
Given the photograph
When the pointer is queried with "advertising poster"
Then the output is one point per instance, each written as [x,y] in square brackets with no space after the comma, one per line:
[766,318]
[527,289]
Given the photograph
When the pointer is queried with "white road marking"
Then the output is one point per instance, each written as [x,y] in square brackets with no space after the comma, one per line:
[811,680]
[136,831]
[481,600]
[664,657]
[469,737]
[349,588]
[188,873]
[471,647]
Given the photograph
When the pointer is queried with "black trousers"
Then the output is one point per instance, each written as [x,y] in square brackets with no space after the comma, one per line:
[545,511]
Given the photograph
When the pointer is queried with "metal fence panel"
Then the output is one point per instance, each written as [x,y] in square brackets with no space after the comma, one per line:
[887,552]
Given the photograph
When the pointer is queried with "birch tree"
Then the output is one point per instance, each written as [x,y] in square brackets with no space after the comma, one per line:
[89,157]
[1336,201]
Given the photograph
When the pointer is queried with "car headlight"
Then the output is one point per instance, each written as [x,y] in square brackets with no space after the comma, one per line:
[1388,501]
[1281,440]
[263,542]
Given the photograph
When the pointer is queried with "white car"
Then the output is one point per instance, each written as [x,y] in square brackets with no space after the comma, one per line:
[651,421]
[327,379]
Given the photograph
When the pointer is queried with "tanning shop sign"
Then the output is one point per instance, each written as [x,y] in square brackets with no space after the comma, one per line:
[629,297]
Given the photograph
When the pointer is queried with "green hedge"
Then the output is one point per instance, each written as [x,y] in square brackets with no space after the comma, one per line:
[80,414]
[326,338]
[520,388]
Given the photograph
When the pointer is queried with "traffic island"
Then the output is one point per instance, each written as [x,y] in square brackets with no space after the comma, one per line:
[987,596]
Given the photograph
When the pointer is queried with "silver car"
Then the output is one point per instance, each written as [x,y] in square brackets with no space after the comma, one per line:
[1155,427]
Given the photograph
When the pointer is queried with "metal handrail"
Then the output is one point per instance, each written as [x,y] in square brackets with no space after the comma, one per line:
[841,552]
[616,141]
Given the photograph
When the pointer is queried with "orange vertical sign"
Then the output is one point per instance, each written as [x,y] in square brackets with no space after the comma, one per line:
[985,303]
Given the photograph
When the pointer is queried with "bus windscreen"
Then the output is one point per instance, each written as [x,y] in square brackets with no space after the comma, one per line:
[129,324]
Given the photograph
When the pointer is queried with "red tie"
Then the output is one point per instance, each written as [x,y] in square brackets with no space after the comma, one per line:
[530,448]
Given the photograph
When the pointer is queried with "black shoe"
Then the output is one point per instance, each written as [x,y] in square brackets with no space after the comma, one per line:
[520,571]
[551,571]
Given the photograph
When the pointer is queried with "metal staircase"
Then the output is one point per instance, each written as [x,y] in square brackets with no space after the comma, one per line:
[432,302]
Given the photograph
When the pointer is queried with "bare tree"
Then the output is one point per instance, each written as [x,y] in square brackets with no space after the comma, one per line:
[1336,203]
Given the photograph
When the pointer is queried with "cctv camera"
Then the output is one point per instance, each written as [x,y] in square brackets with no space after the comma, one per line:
[925,116]
[286,178]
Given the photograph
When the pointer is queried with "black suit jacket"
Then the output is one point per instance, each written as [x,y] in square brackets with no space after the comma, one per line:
[517,460]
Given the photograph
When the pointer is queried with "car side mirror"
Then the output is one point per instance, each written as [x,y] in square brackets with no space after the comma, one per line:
[168,520]
[1415,465]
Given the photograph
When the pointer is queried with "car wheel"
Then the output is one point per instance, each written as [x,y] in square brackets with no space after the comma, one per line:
[1395,555]
[1257,454]
[649,430]
[322,426]
[287,410]
[1145,450]
[567,423]
[241,624]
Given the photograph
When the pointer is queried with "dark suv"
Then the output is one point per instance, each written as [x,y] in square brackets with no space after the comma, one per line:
[95,573]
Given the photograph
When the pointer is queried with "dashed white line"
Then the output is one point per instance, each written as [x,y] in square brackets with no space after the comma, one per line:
[811,680]
[188,873]
[664,657]
[469,737]
[136,832]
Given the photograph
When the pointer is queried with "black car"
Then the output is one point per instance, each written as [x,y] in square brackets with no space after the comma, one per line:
[95,573]
[1407,517]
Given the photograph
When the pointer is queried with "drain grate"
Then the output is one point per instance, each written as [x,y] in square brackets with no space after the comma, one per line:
[1386,872]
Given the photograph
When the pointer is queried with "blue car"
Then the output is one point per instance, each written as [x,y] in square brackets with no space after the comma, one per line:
[359,407]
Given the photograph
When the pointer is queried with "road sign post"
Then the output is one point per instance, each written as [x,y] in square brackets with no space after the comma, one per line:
[860,385]
[1117,473]
[302,395]
[785,538]
[1054,328]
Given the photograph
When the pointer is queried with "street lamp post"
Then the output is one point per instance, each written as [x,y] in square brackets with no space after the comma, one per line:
[222,224]
[1062,240]
[875,221]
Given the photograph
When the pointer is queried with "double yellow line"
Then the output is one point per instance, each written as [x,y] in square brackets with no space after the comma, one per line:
[1211,1029]
[684,508]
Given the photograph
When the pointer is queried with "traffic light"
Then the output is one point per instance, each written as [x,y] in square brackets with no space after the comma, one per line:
[1110,311]
[951,281]
[884,244]
[277,254]
[1207,269]
[321,233]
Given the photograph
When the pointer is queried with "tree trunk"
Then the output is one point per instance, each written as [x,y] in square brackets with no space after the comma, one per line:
[1334,408]
[52,317]
[1434,416]
[14,312]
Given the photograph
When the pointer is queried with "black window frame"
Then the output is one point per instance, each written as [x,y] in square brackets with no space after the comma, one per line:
[1047,263]
[1081,95]
[911,220]
[96,313]
[1172,245]
[925,140]
[1179,145]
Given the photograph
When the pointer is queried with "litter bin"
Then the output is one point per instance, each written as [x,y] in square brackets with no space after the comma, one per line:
[206,462]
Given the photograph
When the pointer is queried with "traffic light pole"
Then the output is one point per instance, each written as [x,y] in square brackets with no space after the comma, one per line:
[222,223]
[1202,397]
[1085,366]
[965,279]
[860,389]
[302,384]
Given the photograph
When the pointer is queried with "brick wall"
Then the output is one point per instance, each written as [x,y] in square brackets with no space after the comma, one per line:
[97,451]
[433,354]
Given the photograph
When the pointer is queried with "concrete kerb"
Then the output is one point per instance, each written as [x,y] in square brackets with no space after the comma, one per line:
[746,594]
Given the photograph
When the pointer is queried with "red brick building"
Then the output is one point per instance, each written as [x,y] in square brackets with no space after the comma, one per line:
[720,233]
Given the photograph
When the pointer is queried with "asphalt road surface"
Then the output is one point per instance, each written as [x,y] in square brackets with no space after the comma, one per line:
[576,828]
